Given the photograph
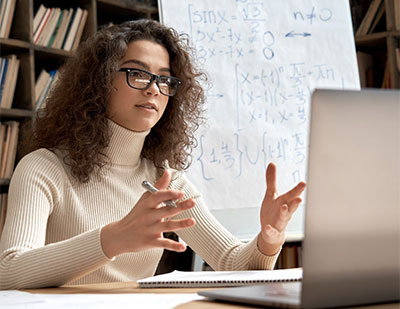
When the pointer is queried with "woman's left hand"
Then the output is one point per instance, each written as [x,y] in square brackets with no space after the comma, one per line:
[276,212]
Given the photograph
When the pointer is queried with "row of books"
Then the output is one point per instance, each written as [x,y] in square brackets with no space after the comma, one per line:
[8,140]
[42,87]
[59,28]
[7,8]
[9,66]
[3,210]
[374,16]
[290,256]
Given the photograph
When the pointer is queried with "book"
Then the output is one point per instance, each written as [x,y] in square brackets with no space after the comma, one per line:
[63,29]
[12,149]
[41,26]
[51,27]
[40,103]
[8,18]
[73,29]
[368,18]
[3,211]
[3,72]
[70,22]
[57,27]
[2,136]
[41,83]
[79,33]
[396,13]
[10,82]
[386,83]
[204,279]
[5,146]
[38,17]
[365,65]
[290,257]
[3,4]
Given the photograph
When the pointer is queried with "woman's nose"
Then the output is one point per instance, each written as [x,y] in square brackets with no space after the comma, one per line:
[153,89]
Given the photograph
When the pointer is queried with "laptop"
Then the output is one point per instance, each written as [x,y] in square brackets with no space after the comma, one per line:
[351,246]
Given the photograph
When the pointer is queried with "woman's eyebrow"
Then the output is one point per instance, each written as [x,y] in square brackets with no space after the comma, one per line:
[144,65]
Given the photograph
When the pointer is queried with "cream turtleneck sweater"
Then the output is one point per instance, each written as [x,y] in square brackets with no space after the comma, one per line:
[51,235]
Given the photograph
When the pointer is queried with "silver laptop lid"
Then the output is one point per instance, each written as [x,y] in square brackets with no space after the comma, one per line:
[351,245]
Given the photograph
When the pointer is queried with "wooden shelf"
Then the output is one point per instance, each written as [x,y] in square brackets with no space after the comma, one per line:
[14,44]
[378,48]
[128,5]
[4,183]
[376,39]
[51,52]
[15,113]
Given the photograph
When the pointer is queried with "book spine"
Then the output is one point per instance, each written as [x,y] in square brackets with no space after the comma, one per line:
[80,30]
[38,17]
[10,18]
[6,146]
[2,14]
[42,25]
[73,29]
[3,72]
[10,82]
[57,29]
[63,29]
[67,33]
[12,151]
[5,18]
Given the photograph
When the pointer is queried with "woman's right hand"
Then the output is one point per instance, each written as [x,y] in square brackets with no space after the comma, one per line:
[142,228]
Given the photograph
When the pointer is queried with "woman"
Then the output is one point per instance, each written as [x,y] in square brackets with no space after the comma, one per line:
[123,111]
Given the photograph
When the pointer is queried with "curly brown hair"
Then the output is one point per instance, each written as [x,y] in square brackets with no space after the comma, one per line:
[74,119]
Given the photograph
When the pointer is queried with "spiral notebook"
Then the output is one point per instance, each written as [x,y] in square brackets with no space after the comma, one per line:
[204,279]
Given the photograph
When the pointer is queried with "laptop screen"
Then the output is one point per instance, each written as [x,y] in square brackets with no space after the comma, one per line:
[351,246]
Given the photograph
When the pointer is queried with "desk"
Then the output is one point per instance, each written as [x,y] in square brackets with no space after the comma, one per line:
[132,288]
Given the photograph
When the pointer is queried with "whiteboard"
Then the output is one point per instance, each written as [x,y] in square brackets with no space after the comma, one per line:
[263,59]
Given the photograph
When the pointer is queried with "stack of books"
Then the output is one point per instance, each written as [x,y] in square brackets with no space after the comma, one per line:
[59,28]
[7,8]
[8,140]
[9,66]
[42,87]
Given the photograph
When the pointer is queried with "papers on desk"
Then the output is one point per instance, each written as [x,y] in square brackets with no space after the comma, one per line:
[203,279]
[22,300]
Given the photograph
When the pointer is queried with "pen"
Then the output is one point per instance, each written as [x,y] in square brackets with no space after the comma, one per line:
[150,188]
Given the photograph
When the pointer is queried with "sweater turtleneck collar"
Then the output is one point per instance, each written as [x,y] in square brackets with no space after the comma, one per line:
[125,145]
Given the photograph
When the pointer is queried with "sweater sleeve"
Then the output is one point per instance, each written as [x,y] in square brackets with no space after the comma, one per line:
[26,260]
[215,244]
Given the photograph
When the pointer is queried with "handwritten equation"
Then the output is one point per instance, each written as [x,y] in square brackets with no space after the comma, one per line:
[269,96]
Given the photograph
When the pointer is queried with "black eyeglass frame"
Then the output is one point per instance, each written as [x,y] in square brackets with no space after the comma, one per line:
[154,77]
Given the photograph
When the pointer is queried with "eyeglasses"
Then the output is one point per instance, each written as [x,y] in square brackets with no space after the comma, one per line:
[141,80]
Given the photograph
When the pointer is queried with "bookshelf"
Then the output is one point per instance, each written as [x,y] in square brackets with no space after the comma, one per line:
[378,46]
[34,58]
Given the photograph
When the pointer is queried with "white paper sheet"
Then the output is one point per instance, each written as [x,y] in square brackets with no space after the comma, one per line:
[22,300]
[264,59]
